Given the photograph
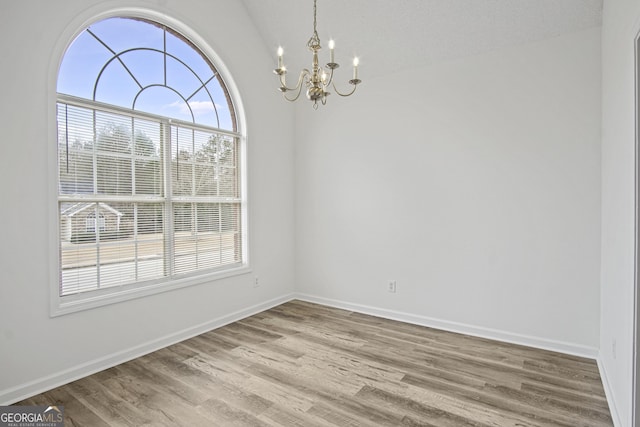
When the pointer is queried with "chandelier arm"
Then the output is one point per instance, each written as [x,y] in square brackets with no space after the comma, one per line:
[299,89]
[355,86]
[329,81]
[304,73]
[298,85]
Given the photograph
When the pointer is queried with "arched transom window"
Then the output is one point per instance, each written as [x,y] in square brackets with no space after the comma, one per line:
[149,162]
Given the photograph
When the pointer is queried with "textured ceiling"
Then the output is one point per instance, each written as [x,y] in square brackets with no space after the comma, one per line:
[391,35]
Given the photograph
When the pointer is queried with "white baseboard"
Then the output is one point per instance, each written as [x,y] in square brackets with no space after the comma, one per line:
[32,388]
[493,334]
[615,415]
[23,391]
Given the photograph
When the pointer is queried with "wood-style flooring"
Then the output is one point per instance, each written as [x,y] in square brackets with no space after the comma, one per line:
[302,364]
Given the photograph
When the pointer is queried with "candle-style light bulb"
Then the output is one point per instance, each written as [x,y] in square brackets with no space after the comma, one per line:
[280,60]
[355,67]
[332,45]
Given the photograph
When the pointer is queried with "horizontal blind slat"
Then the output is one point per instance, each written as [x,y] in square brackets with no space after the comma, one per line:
[112,200]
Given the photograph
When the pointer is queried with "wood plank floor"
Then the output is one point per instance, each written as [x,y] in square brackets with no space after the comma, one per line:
[302,364]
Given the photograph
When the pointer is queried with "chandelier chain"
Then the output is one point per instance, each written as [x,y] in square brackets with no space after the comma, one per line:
[315,21]
[314,42]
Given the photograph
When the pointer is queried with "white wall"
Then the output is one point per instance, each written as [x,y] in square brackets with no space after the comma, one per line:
[37,351]
[475,184]
[621,23]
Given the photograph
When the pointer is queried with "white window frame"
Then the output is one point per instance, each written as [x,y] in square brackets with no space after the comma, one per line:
[73,303]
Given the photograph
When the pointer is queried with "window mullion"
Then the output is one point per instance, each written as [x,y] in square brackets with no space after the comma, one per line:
[98,247]
[169,237]
[132,155]
[136,244]
[95,192]
[95,153]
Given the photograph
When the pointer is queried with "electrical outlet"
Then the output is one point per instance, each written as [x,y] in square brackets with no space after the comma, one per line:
[392,286]
[256,282]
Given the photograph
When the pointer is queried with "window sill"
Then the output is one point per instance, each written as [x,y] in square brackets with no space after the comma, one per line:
[85,301]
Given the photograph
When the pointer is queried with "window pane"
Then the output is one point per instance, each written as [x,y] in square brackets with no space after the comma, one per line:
[204,164]
[125,33]
[223,105]
[116,86]
[149,177]
[112,244]
[147,138]
[80,66]
[75,150]
[163,101]
[230,229]
[113,175]
[113,132]
[150,241]
[145,66]
[185,238]
[148,164]
[228,182]
[181,77]
[204,109]
[177,46]
[206,235]
[228,149]
[76,169]
[182,158]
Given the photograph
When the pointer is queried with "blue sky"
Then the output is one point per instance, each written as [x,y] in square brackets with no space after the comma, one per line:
[88,61]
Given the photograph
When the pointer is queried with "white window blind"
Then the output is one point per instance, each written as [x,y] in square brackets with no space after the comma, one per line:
[143,199]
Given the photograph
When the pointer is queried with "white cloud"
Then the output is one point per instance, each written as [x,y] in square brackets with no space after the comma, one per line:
[198,107]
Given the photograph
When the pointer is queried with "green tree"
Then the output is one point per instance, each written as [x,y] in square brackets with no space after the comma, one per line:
[144,146]
[114,138]
[182,173]
[213,161]
[113,170]
[75,162]
[148,170]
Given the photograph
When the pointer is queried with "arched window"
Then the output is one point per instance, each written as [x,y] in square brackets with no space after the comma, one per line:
[149,156]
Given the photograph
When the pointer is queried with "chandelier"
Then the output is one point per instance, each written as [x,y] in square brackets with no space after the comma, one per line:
[318,80]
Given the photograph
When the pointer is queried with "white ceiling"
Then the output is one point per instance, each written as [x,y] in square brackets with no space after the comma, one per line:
[391,35]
